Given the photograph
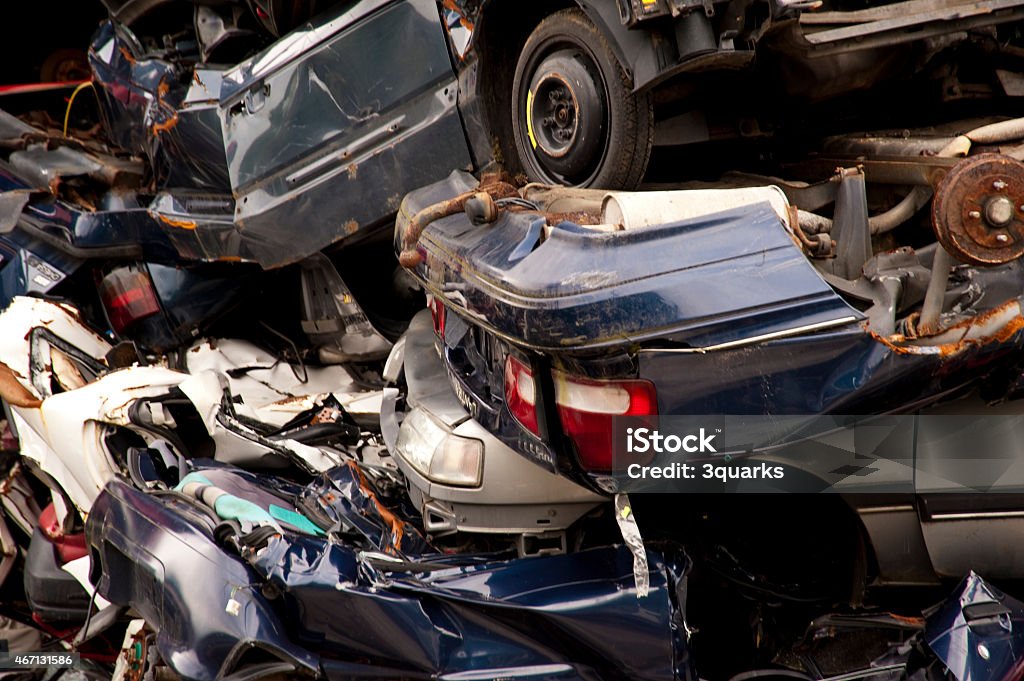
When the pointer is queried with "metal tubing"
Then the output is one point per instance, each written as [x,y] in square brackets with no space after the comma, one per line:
[935,296]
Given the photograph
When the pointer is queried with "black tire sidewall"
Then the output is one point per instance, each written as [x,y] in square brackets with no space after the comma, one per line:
[621,143]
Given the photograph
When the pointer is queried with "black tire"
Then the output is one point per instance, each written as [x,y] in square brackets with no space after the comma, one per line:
[593,130]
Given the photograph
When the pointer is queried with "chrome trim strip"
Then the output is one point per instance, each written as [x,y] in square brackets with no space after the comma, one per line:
[867,673]
[885,509]
[978,515]
[774,335]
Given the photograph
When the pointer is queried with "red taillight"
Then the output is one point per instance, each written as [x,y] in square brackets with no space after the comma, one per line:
[128,296]
[437,315]
[521,394]
[69,546]
[587,408]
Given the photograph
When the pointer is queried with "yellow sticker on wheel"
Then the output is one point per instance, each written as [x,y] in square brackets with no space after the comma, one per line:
[529,118]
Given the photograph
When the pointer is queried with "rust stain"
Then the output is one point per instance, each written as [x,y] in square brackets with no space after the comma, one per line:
[983,317]
[912,621]
[1001,335]
[577,217]
[164,126]
[893,343]
[353,171]
[327,415]
[396,523]
[351,227]
[13,392]
[182,224]
[494,184]
[290,400]
[466,23]
[1010,330]
[8,482]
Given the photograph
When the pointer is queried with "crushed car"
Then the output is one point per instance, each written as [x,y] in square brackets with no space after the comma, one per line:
[555,311]
[206,558]
[201,294]
[174,182]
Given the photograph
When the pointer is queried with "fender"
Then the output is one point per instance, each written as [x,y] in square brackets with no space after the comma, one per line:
[645,53]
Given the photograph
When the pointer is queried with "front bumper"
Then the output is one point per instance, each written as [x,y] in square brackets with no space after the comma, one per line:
[514,496]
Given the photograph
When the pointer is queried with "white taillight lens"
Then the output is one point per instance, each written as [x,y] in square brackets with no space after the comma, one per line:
[598,398]
[587,407]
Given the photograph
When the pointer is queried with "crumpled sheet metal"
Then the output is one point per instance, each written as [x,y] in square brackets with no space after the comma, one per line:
[156,555]
[578,611]
[25,314]
[64,436]
[275,391]
[357,612]
[63,422]
[978,633]
[361,134]
[345,498]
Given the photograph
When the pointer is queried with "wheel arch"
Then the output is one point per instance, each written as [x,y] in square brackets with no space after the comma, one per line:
[502,29]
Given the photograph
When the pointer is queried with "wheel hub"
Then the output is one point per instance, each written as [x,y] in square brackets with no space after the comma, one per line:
[559,121]
[566,115]
[978,210]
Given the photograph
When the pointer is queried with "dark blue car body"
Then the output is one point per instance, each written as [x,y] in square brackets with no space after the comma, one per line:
[724,314]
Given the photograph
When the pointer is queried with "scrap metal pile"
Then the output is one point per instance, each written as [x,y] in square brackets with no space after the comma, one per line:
[316,320]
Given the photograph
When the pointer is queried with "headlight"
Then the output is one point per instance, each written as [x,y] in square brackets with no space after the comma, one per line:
[439,455]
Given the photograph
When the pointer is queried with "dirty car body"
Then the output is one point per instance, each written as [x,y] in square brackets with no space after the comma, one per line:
[325,571]
[552,318]
[324,129]
[723,314]
[362,608]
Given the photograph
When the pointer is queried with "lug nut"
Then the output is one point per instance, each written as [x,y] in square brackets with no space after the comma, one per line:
[999,185]
[974,214]
[1002,238]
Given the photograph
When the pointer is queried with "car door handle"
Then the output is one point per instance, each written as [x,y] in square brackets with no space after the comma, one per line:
[256,98]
